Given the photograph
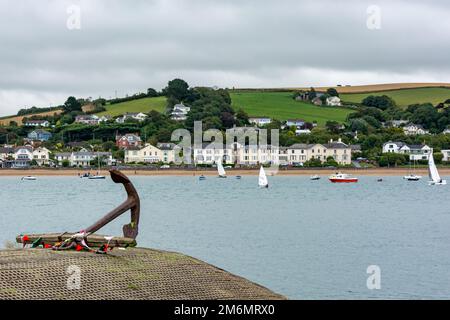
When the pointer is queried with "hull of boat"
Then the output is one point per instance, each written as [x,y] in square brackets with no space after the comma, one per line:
[222,177]
[441,183]
[346,180]
[97,178]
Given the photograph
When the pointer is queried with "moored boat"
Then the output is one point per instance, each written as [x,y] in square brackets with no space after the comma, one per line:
[201,178]
[262,180]
[435,178]
[315,177]
[412,177]
[342,178]
[29,178]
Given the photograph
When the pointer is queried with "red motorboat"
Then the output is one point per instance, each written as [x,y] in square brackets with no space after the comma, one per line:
[342,178]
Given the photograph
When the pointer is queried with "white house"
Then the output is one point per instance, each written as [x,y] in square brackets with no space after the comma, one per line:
[37,123]
[334,101]
[259,121]
[179,112]
[446,154]
[167,152]
[300,132]
[415,152]
[23,156]
[83,158]
[446,131]
[42,156]
[300,153]
[148,154]
[87,119]
[295,122]
[135,116]
[414,129]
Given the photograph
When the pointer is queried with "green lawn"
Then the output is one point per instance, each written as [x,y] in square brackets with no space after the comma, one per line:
[141,105]
[405,97]
[281,106]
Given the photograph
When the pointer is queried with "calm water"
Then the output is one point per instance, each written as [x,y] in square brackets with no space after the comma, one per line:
[301,238]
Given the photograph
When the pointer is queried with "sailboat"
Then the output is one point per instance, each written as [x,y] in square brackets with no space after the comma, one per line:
[435,178]
[411,176]
[263,183]
[221,170]
[97,176]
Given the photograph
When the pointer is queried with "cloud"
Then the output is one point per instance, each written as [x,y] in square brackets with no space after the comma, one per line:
[130,46]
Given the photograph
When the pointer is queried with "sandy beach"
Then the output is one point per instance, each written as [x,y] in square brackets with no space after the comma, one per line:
[230,172]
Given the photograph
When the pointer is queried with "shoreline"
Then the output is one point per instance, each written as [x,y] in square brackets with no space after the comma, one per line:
[230,172]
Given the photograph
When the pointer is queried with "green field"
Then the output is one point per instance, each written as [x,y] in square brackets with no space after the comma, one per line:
[141,105]
[404,97]
[281,106]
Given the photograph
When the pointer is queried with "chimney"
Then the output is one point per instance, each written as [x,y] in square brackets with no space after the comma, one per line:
[331,140]
[340,140]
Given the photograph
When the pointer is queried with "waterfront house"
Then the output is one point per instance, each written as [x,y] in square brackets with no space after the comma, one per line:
[148,154]
[22,157]
[40,135]
[299,153]
[6,156]
[415,152]
[37,123]
[414,129]
[446,131]
[446,155]
[62,156]
[128,140]
[260,121]
[42,156]
[84,158]
[167,152]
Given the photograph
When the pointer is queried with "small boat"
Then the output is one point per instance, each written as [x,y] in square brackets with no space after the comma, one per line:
[221,170]
[97,177]
[29,178]
[412,177]
[238,177]
[315,177]
[435,178]
[263,182]
[380,180]
[85,175]
[201,178]
[342,178]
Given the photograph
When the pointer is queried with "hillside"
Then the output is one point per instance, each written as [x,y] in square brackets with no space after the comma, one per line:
[405,97]
[6,120]
[281,106]
[141,105]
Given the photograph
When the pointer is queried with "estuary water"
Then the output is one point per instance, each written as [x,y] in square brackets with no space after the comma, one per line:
[304,239]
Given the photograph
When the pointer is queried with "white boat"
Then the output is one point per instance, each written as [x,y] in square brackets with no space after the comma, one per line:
[342,178]
[29,178]
[221,170]
[263,182]
[435,178]
[97,176]
[315,177]
[411,176]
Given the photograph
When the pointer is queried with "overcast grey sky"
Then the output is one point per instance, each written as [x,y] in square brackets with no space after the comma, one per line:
[129,46]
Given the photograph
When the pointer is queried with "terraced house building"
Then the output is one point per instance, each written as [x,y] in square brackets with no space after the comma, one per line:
[299,153]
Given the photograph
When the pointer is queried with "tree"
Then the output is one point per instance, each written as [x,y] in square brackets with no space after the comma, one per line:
[152,92]
[332,92]
[381,102]
[65,163]
[312,94]
[72,104]
[177,88]
[333,126]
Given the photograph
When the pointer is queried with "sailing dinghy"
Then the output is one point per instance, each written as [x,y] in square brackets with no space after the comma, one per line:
[263,183]
[435,178]
[221,170]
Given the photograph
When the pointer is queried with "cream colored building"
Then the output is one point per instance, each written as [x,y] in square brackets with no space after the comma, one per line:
[300,153]
[164,152]
[41,156]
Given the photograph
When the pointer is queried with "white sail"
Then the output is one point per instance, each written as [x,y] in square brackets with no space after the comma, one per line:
[221,170]
[263,178]
[432,170]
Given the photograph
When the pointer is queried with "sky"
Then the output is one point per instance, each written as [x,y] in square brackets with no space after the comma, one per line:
[52,49]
